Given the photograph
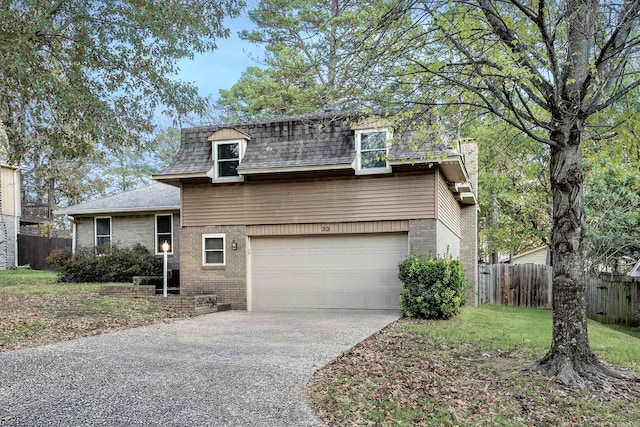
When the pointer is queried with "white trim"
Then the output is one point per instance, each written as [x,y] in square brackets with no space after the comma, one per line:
[224,249]
[241,149]
[74,236]
[178,176]
[17,212]
[249,276]
[117,210]
[358,162]
[309,168]
[155,224]
[95,230]
[635,271]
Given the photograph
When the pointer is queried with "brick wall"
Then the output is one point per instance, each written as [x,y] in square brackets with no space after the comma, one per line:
[84,232]
[423,237]
[228,282]
[8,224]
[469,218]
[127,230]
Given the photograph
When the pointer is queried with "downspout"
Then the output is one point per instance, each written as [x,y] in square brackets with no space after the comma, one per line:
[16,214]
[73,235]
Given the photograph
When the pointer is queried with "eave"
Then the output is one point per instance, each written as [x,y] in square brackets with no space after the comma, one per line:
[309,168]
[129,210]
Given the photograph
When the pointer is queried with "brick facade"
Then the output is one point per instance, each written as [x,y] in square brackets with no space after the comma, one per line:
[8,225]
[127,230]
[423,237]
[469,226]
[228,282]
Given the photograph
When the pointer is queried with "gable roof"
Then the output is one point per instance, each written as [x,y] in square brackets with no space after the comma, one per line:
[324,140]
[154,197]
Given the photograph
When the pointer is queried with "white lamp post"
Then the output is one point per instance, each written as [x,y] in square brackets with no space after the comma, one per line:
[165,249]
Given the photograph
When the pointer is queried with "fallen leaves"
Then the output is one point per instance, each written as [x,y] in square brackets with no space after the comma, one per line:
[400,377]
[32,320]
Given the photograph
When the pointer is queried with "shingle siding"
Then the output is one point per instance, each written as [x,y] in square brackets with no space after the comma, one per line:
[448,241]
[448,209]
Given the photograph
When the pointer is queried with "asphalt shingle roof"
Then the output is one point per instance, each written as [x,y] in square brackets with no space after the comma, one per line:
[306,140]
[153,197]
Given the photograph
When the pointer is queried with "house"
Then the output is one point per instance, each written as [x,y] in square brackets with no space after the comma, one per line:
[149,215]
[635,271]
[313,211]
[539,255]
[9,214]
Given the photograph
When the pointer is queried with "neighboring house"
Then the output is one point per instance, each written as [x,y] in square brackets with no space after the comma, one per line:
[635,271]
[149,215]
[9,214]
[315,211]
[539,255]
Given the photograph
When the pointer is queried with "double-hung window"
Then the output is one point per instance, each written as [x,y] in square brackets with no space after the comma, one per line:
[372,150]
[227,159]
[213,249]
[164,232]
[103,233]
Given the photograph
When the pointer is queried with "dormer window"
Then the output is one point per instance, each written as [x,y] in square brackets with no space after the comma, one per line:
[373,151]
[227,158]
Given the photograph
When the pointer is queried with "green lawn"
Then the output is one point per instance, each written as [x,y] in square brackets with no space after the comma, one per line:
[475,369]
[35,310]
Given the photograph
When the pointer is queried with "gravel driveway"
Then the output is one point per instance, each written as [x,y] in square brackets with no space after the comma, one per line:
[225,369]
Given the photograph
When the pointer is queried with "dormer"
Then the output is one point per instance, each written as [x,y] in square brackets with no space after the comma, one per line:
[372,142]
[228,146]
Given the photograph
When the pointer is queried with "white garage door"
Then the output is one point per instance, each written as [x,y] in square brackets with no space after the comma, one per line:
[346,271]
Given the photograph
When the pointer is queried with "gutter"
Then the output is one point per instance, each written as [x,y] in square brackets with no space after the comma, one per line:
[118,210]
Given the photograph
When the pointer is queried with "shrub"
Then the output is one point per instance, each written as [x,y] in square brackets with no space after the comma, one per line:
[114,264]
[433,288]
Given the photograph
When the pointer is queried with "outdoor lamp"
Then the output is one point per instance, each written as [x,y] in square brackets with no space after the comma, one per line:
[165,249]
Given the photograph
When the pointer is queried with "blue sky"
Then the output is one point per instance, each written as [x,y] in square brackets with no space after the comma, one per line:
[221,68]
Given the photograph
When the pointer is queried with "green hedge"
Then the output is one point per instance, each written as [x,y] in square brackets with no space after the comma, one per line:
[114,264]
[433,288]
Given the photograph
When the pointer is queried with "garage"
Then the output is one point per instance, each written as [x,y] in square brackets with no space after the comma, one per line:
[356,271]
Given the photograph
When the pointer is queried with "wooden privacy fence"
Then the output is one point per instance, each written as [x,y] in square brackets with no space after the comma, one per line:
[523,285]
[614,299]
[610,298]
[33,250]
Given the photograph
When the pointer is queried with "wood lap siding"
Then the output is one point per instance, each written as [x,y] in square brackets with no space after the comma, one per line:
[448,208]
[315,201]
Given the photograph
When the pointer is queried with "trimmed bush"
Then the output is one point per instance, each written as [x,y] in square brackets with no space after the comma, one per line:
[114,264]
[433,288]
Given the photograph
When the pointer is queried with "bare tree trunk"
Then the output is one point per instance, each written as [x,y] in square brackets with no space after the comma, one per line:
[570,356]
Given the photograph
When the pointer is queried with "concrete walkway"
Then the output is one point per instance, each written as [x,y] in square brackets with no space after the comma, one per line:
[225,369]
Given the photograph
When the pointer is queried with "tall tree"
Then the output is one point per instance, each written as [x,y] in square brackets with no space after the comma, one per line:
[79,76]
[312,59]
[545,68]
[513,186]
[265,93]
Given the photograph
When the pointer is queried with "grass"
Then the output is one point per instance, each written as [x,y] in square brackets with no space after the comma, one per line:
[475,369]
[35,310]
